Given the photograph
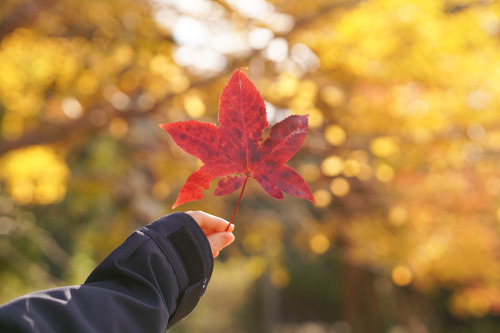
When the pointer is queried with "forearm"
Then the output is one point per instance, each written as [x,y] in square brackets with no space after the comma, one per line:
[152,280]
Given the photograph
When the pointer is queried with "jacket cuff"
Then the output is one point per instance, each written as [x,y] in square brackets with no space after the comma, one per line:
[179,234]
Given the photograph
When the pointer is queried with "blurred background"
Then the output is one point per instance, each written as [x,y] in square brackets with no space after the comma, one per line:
[401,155]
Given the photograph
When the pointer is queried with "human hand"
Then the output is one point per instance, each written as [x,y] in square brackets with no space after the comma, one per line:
[215,229]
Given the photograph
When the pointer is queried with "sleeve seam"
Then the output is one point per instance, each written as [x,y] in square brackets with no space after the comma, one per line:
[150,235]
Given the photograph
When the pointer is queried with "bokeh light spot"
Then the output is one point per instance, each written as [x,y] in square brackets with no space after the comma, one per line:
[366,173]
[476,132]
[87,84]
[279,278]
[332,166]
[71,107]
[332,95]
[335,135]
[259,38]
[319,243]
[384,146]
[402,275]
[194,106]
[277,50]
[340,187]
[323,198]
[478,100]
[384,173]
[352,168]
[398,215]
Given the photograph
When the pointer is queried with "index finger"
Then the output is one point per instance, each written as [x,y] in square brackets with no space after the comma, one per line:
[210,222]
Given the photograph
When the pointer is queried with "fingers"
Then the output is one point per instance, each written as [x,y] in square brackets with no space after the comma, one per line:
[218,241]
[215,229]
[210,223]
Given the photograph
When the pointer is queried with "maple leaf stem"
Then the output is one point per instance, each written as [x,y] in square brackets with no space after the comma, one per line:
[237,204]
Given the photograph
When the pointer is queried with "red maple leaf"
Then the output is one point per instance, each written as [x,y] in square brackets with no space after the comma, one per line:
[234,150]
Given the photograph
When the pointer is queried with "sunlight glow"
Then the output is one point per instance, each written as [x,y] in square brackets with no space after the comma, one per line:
[277,49]
[206,37]
[259,38]
[188,31]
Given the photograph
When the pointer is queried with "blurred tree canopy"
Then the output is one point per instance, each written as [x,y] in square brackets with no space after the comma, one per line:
[402,153]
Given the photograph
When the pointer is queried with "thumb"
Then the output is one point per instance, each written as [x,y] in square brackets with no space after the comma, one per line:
[219,240]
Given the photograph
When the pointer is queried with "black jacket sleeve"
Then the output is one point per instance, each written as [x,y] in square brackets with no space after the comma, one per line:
[150,282]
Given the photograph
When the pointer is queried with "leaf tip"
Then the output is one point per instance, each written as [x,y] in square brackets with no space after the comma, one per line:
[312,199]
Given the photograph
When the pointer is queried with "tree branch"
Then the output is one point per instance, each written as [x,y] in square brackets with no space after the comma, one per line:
[59,131]
[83,124]
[23,15]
